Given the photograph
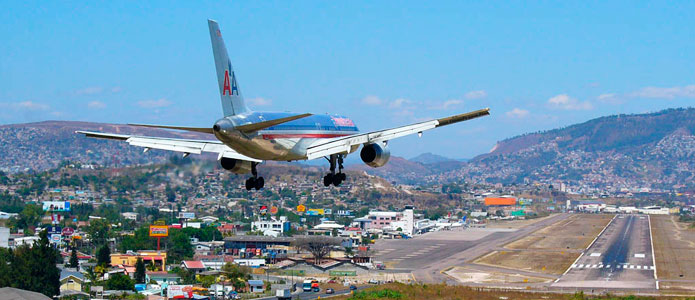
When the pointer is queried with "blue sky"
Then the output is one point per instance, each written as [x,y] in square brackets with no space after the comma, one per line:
[537,65]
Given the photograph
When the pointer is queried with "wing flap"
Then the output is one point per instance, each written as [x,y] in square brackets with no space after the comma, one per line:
[172,144]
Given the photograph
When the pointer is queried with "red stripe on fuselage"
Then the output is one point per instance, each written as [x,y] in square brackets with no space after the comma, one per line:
[302,135]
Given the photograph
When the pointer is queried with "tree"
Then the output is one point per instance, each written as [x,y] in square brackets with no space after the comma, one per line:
[74,262]
[120,282]
[237,274]
[32,269]
[179,246]
[98,231]
[318,245]
[140,271]
[104,256]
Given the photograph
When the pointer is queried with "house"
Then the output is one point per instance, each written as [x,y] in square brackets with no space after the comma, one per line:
[71,280]
[162,277]
[194,266]
[207,220]
[157,258]
[256,286]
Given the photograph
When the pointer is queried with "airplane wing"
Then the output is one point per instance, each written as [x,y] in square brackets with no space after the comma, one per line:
[179,145]
[339,145]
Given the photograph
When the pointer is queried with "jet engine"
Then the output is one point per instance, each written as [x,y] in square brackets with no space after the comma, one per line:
[374,155]
[235,165]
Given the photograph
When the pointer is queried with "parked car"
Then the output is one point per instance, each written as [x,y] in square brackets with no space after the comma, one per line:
[373,281]
[329,291]
[353,287]
[316,289]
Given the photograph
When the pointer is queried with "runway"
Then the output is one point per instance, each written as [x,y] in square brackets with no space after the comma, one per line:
[428,255]
[620,258]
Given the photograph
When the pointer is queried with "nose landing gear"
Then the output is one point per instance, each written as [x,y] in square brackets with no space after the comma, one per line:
[335,178]
[254,182]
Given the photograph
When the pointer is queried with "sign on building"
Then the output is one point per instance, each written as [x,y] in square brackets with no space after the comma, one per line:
[342,273]
[301,208]
[180,291]
[159,230]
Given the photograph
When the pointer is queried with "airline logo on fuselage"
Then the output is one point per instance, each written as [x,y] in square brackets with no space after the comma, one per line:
[229,85]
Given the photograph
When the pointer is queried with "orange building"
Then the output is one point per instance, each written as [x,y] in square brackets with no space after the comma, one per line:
[506,201]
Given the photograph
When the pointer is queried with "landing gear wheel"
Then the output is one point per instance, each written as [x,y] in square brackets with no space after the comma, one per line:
[250,183]
[337,179]
[328,179]
[259,183]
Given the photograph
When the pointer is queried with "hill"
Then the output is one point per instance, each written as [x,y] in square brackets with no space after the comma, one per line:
[654,150]
[44,145]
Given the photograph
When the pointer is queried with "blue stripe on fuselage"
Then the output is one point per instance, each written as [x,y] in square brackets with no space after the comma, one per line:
[313,122]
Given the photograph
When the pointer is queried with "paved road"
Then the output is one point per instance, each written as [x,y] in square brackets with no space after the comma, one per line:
[427,257]
[621,257]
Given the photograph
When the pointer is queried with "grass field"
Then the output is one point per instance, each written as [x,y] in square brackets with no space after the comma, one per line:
[674,251]
[551,262]
[446,292]
[551,249]
[575,232]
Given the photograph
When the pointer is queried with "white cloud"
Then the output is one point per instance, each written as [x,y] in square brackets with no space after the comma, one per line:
[447,104]
[687,91]
[566,102]
[517,113]
[31,105]
[92,90]
[96,105]
[372,100]
[398,103]
[259,101]
[610,98]
[162,102]
[476,94]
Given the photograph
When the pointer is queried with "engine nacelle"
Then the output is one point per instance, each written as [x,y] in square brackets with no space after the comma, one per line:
[235,165]
[374,155]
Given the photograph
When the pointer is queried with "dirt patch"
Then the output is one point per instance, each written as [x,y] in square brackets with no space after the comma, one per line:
[674,249]
[477,276]
[515,224]
[551,262]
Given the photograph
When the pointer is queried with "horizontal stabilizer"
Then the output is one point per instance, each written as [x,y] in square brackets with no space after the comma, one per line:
[251,128]
[463,117]
[195,129]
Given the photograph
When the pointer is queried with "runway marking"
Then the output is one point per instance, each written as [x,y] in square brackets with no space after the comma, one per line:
[639,255]
[594,266]
[632,266]
[581,266]
[595,254]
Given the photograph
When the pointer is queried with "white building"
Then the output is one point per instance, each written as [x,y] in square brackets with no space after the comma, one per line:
[654,210]
[272,227]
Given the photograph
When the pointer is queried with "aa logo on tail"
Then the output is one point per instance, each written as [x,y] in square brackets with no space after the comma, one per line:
[227,82]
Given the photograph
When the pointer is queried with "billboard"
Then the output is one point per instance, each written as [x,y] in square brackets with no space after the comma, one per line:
[186,215]
[274,210]
[179,292]
[159,230]
[315,212]
[264,209]
[55,230]
[56,206]
[55,238]
[342,273]
[301,208]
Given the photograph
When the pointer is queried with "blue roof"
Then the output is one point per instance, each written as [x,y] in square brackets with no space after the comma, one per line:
[255,282]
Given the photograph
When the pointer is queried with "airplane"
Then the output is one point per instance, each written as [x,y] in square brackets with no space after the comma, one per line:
[246,138]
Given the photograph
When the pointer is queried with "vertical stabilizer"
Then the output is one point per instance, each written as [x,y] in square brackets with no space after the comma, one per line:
[232,100]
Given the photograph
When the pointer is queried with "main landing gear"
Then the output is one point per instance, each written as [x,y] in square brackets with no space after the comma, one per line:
[335,178]
[254,182]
